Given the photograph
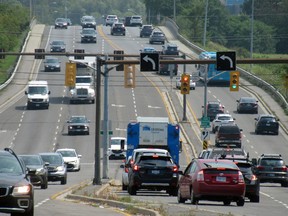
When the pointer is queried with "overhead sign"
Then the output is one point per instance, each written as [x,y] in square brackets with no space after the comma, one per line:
[226,61]
[149,61]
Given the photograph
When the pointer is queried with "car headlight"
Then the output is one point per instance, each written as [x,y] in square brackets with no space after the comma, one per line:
[20,190]
[39,171]
[60,168]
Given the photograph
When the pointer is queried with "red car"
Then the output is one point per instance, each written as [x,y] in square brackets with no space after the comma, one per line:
[213,180]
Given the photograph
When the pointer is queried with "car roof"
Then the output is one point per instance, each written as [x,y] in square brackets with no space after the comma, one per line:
[112,138]
[223,114]
[65,149]
[150,149]
[49,153]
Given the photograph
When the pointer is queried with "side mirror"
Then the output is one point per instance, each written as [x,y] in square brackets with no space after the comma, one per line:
[79,156]
[26,93]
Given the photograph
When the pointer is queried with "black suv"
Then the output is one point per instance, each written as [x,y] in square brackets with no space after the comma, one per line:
[213,108]
[118,29]
[16,190]
[170,49]
[88,35]
[146,30]
[266,123]
[271,168]
[153,172]
[228,135]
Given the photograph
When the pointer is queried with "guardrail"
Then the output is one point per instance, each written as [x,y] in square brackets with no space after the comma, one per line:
[280,99]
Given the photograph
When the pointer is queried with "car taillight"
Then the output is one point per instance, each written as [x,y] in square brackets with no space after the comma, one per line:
[136,168]
[200,176]
[240,177]
[283,168]
[260,167]
[175,168]
[126,169]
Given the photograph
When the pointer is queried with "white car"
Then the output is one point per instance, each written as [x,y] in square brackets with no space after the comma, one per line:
[71,158]
[110,19]
[178,82]
[220,119]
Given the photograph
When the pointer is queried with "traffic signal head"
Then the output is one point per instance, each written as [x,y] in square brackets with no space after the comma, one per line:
[129,76]
[70,74]
[234,81]
[185,84]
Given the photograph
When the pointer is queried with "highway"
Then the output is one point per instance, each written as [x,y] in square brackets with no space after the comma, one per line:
[34,131]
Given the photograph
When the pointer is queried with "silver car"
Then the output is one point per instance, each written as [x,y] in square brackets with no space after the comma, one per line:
[157,37]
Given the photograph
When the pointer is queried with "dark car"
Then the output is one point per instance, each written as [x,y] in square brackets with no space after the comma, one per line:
[118,29]
[57,170]
[212,153]
[157,37]
[127,21]
[52,64]
[271,168]
[88,35]
[69,22]
[170,49]
[228,135]
[153,172]
[266,123]
[213,108]
[88,22]
[78,125]
[57,46]
[214,180]
[61,23]
[166,69]
[16,190]
[146,30]
[247,105]
[35,162]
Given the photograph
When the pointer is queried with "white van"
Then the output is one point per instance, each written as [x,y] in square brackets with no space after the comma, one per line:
[37,94]
[118,147]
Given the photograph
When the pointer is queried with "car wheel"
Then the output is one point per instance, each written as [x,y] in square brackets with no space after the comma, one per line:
[240,202]
[64,180]
[255,198]
[256,131]
[227,202]
[124,187]
[173,191]
[132,190]
[179,198]
[69,133]
[192,197]
[277,132]
[284,184]
[44,185]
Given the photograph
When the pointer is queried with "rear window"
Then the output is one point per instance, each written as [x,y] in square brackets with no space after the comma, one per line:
[224,117]
[213,106]
[159,161]
[220,164]
[229,130]
[272,162]
[267,119]
[248,100]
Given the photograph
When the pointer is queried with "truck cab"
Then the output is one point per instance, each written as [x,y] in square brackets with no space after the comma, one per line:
[37,94]
[117,147]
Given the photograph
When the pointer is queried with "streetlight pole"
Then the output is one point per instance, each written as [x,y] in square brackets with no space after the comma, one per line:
[205,24]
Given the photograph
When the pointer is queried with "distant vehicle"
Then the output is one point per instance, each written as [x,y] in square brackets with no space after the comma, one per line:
[126,166]
[153,172]
[69,22]
[78,125]
[215,77]
[247,105]
[35,162]
[271,168]
[228,135]
[57,46]
[61,23]
[266,123]
[88,35]
[127,21]
[136,20]
[146,30]
[57,170]
[170,49]
[71,158]
[110,19]
[88,22]
[157,37]
[192,82]
[214,180]
[148,50]
[213,108]
[222,118]
[118,29]
[214,153]
[37,94]
[17,192]
[52,64]
[167,69]
[117,147]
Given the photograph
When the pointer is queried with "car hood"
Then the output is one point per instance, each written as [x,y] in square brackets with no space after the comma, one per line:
[10,179]
[52,64]
[75,124]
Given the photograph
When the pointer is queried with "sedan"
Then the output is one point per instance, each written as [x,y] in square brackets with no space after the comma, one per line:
[71,158]
[52,64]
[247,105]
[213,180]
[78,125]
[57,46]
[221,118]
[35,162]
[61,23]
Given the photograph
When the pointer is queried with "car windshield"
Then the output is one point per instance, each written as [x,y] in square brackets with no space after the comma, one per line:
[10,165]
[37,90]
[57,43]
[83,80]
[248,100]
[52,60]
[52,159]
[88,20]
[88,31]
[78,119]
[118,25]
[61,20]
[223,118]
[67,153]
[157,34]
[31,160]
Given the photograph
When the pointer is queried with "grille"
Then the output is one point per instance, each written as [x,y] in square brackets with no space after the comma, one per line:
[82,91]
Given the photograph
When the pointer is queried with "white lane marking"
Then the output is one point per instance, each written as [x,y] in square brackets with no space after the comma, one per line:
[118,105]
[273,198]
[41,203]
[154,107]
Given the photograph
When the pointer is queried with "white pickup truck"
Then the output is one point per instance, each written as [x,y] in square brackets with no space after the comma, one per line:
[83,92]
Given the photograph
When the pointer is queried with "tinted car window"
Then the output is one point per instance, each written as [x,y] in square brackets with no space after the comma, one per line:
[267,119]
[219,164]
[272,162]
[52,159]
[10,165]
[213,106]
[159,161]
[229,130]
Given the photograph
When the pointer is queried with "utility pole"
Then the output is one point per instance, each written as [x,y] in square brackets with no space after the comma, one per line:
[205,24]
[184,96]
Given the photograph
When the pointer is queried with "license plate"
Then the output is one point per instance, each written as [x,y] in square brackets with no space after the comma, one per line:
[271,174]
[267,124]
[220,179]
[155,172]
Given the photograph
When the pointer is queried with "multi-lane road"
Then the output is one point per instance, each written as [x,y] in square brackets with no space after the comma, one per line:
[34,131]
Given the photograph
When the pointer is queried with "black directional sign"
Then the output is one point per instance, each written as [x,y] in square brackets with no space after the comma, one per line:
[226,61]
[149,61]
